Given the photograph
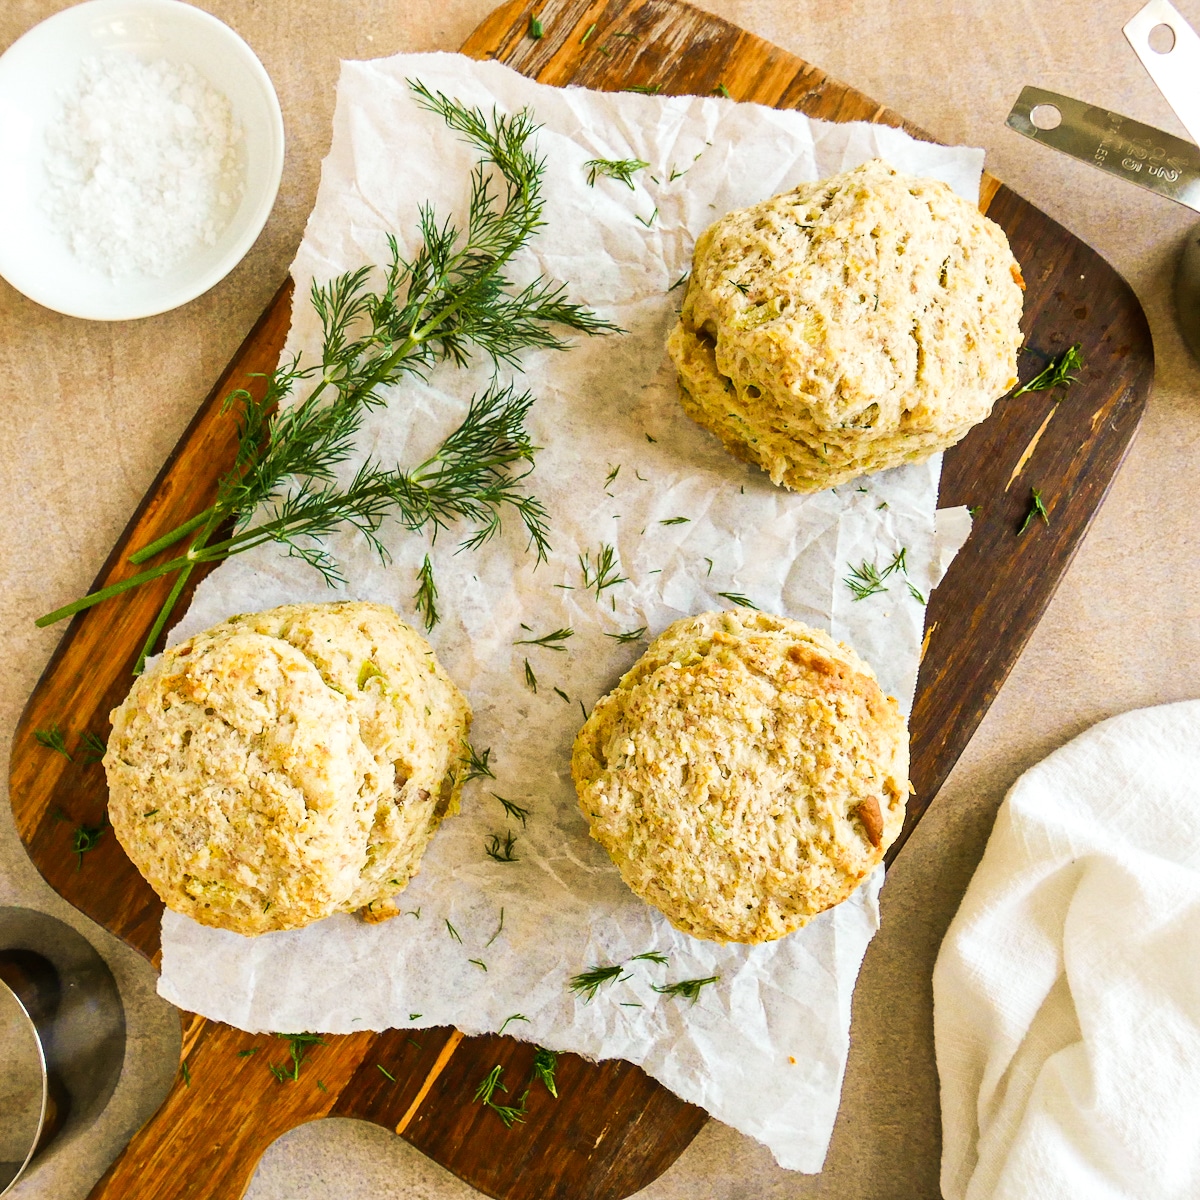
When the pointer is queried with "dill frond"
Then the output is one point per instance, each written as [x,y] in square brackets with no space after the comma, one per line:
[620,169]
[478,765]
[87,837]
[299,1045]
[689,989]
[94,747]
[588,983]
[453,932]
[1056,373]
[544,1064]
[654,956]
[513,810]
[676,521]
[485,1094]
[514,1017]
[630,635]
[864,581]
[604,573]
[426,597]
[738,599]
[1036,509]
[551,641]
[501,847]
[530,678]
[536,30]
[53,739]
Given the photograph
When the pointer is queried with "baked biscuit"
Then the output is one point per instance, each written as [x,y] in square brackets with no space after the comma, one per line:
[745,775]
[286,765]
[848,326]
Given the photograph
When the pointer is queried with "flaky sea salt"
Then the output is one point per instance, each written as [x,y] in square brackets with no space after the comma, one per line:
[144,164]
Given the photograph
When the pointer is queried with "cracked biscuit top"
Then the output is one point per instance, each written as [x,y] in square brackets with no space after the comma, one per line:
[848,326]
[745,775]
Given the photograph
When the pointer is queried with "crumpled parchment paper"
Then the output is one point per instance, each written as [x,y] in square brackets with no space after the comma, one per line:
[765,1048]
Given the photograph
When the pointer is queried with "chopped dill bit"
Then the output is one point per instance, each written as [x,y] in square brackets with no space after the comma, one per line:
[605,51]
[646,89]
[453,932]
[605,573]
[654,956]
[1057,373]
[535,27]
[709,571]
[651,439]
[514,1017]
[321,1085]
[267,906]
[478,766]
[93,746]
[551,641]
[414,912]
[488,1085]
[899,563]
[689,989]
[150,812]
[636,37]
[974,510]
[612,474]
[415,1043]
[185,1071]
[426,597]
[583,710]
[865,581]
[741,287]
[620,169]
[632,1004]
[544,1063]
[590,30]
[499,931]
[587,983]
[478,962]
[385,1072]
[723,90]
[501,848]
[247,1053]
[530,678]
[87,837]
[648,221]
[298,1046]
[514,810]
[630,635]
[562,695]
[677,174]
[861,489]
[1036,509]
[676,521]
[53,739]
[912,591]
[485,1094]
[413,1016]
[738,599]
[638,475]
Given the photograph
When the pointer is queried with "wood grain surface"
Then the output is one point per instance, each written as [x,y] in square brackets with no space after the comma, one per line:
[612,1130]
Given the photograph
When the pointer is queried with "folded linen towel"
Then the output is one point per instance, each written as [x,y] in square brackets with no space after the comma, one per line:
[1067,990]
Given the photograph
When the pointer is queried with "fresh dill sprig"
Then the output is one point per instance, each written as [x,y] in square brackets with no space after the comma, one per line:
[513,810]
[864,581]
[478,765]
[914,593]
[605,573]
[87,837]
[620,169]
[744,288]
[536,29]
[1057,373]
[612,474]
[453,932]
[544,1064]
[551,641]
[299,1045]
[501,847]
[689,989]
[514,1017]
[654,956]
[738,599]
[94,747]
[676,521]
[426,597]
[486,1091]
[630,635]
[1036,509]
[898,563]
[53,739]
[588,983]
[451,299]
[530,678]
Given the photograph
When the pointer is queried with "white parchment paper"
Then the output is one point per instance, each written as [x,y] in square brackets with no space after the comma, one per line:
[765,1048]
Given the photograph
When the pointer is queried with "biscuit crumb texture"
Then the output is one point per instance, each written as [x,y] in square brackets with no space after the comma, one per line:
[848,326]
[286,765]
[747,774]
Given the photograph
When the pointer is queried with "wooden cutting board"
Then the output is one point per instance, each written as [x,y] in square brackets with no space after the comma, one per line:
[612,1130]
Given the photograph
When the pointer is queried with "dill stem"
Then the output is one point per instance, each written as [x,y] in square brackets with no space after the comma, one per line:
[106,593]
[163,615]
[169,539]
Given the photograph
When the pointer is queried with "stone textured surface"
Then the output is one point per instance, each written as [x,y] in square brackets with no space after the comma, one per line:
[88,412]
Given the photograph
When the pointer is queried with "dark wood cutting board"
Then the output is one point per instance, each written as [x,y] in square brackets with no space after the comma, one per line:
[612,1130]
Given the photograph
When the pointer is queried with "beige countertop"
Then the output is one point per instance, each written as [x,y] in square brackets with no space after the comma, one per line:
[88,413]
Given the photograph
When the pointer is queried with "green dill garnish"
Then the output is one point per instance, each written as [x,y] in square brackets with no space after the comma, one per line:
[1036,509]
[414,1043]
[898,563]
[501,848]
[185,1071]
[53,739]
[514,1017]
[385,1072]
[247,1053]
[738,599]
[620,169]
[453,932]
[676,521]
[744,288]
[590,30]
[651,439]
[150,812]
[321,1086]
[723,90]
[427,593]
[630,635]
[647,221]
[654,956]
[478,766]
[485,1094]
[974,510]
[413,1016]
[513,810]
[530,678]
[606,571]
[612,474]
[544,1063]
[550,641]
[478,962]
[499,931]
[1057,373]
[689,989]
[681,280]
[710,566]
[587,983]
[912,591]
[93,747]
[674,175]
[864,581]
[87,837]
[535,27]
[414,912]
[562,695]
[299,1045]
[646,89]
[451,299]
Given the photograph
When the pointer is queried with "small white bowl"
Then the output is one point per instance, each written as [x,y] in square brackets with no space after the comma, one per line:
[39,69]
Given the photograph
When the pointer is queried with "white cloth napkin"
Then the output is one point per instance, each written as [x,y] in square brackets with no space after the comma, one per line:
[1067,990]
